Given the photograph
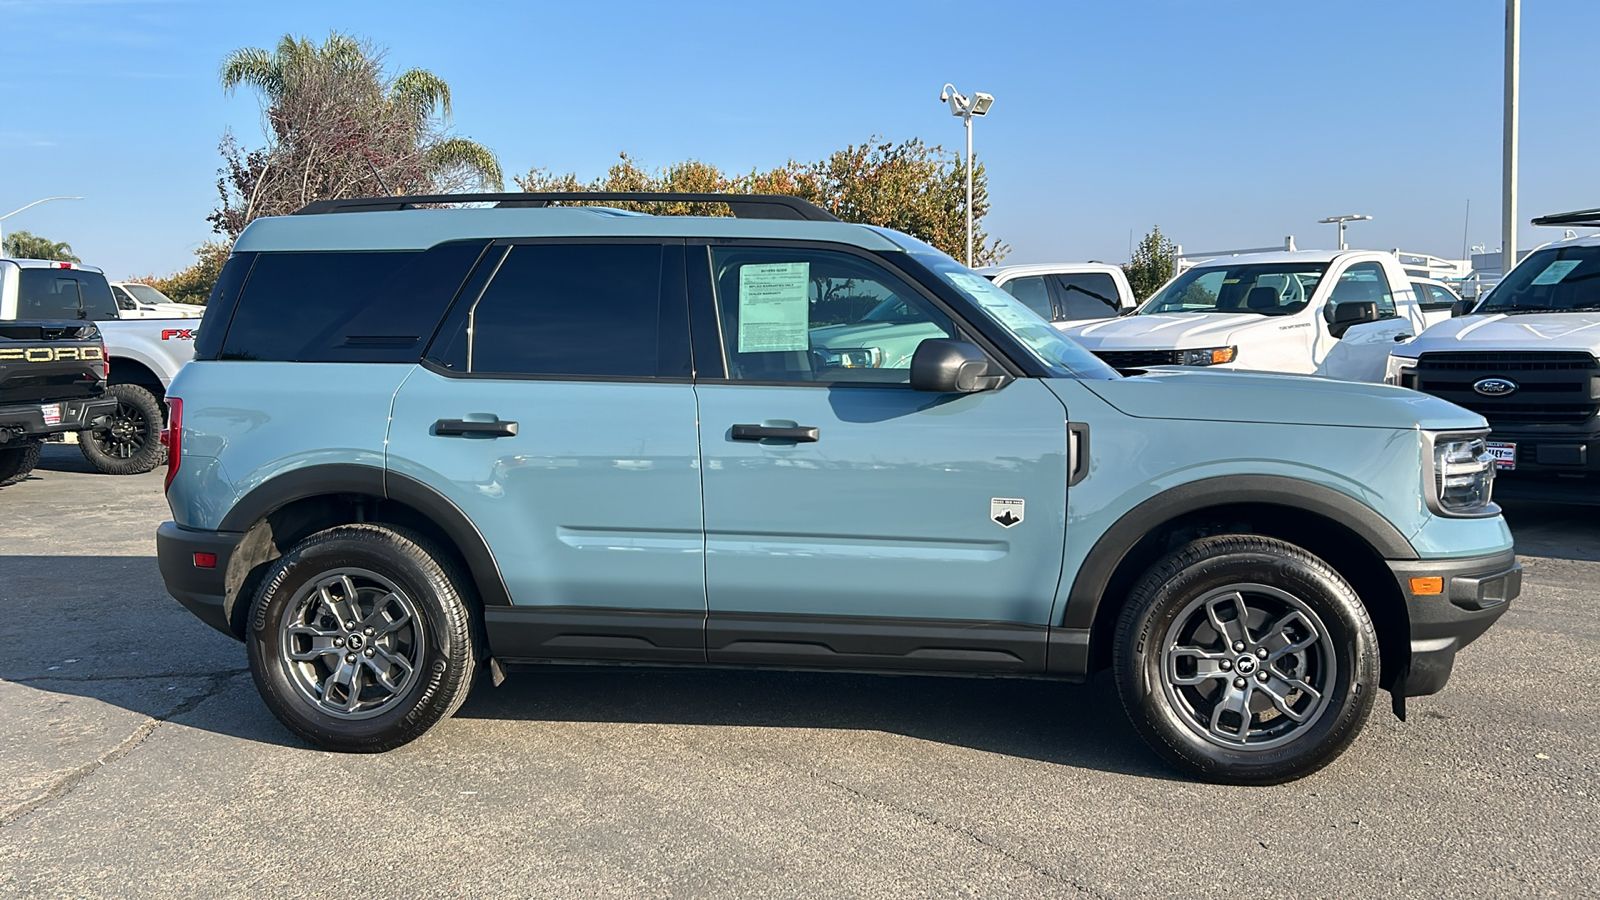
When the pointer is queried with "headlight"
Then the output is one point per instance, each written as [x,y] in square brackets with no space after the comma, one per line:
[1400,370]
[859,358]
[1210,356]
[1461,475]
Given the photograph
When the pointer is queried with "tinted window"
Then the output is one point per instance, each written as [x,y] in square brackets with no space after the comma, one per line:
[1365,281]
[124,300]
[63,294]
[818,316]
[219,306]
[1087,295]
[562,309]
[345,306]
[1033,293]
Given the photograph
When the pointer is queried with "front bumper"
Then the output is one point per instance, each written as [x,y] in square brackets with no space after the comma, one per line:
[1476,591]
[76,415]
[203,590]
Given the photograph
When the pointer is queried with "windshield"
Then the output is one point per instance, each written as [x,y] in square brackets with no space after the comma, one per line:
[1263,289]
[146,293]
[1063,357]
[1552,279]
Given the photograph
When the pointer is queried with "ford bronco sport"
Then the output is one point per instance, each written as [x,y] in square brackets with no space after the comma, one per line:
[422,444]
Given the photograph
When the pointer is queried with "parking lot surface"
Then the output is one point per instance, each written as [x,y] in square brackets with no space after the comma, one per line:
[136,758]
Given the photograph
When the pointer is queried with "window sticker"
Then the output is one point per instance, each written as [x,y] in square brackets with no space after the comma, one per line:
[1556,271]
[774,310]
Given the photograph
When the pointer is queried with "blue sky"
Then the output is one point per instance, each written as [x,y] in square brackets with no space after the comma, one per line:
[1227,123]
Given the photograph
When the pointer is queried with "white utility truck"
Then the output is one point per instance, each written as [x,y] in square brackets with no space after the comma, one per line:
[145,354]
[1525,357]
[1067,292]
[1335,313]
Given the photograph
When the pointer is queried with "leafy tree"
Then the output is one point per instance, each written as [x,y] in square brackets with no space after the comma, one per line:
[26,245]
[193,283]
[909,186]
[339,124]
[1152,263]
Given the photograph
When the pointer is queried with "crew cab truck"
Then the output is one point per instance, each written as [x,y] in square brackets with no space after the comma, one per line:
[1317,312]
[52,380]
[1066,292]
[1525,358]
[145,355]
[582,435]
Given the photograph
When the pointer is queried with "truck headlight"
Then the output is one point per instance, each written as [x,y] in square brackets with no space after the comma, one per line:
[1460,475]
[857,358]
[1400,370]
[1210,356]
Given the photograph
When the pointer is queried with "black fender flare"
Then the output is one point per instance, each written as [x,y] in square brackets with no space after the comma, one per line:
[1094,576]
[371,481]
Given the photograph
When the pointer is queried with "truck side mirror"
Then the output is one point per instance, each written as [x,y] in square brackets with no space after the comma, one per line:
[1461,308]
[1341,316]
[945,366]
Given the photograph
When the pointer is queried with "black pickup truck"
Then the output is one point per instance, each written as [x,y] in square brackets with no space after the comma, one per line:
[52,380]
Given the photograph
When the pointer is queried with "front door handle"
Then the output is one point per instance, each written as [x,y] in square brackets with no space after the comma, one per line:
[496,428]
[800,434]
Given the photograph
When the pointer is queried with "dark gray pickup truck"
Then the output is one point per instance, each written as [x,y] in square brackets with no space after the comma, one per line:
[52,380]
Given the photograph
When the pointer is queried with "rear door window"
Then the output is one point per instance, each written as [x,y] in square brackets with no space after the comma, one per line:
[561,310]
[1087,295]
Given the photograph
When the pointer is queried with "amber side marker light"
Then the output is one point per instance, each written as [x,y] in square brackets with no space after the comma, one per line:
[1427,586]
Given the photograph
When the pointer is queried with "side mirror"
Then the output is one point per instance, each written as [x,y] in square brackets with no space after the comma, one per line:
[1341,316]
[945,366]
[1461,308]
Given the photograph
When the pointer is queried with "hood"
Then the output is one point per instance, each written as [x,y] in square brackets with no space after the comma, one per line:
[1238,396]
[1177,331]
[1527,331]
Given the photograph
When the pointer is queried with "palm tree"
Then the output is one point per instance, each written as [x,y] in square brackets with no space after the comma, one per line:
[26,245]
[340,125]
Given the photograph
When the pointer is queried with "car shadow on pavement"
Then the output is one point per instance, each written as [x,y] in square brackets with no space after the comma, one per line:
[1078,725]
[64,457]
[1556,530]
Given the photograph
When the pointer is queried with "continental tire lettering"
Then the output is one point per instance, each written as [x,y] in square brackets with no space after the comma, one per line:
[435,679]
[51,354]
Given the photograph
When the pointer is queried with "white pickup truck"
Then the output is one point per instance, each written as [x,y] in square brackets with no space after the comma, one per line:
[145,355]
[1527,358]
[1336,313]
[1066,292]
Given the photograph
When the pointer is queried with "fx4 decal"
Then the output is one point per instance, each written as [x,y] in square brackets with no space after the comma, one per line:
[182,334]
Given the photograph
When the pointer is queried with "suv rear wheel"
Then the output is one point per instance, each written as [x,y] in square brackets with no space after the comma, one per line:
[130,443]
[1246,660]
[361,639]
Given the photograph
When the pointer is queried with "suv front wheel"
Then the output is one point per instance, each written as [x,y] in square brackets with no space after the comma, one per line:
[361,639]
[1246,660]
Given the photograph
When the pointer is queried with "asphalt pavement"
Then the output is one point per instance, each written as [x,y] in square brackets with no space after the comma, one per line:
[137,759]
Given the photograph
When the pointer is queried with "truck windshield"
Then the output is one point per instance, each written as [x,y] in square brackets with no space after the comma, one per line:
[1555,279]
[1263,289]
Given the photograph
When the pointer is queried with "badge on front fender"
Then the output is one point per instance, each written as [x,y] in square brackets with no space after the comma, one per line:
[1006,512]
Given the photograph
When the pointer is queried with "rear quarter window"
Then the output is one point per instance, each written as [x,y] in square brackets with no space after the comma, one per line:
[342,306]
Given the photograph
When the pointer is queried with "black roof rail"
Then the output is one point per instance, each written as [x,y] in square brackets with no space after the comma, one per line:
[743,206]
[1583,218]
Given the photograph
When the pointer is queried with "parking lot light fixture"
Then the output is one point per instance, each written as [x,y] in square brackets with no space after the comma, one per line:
[965,108]
[29,206]
[1341,221]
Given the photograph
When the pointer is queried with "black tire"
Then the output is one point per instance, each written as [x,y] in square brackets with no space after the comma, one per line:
[130,444]
[1240,716]
[17,460]
[439,645]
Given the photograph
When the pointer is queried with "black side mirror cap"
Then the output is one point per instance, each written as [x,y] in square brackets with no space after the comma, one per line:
[945,366]
[1461,308]
[1342,316]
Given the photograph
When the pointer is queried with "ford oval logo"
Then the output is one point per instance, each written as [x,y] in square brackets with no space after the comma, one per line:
[1495,387]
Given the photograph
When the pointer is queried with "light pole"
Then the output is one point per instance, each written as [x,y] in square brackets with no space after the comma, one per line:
[1508,151]
[29,206]
[966,108]
[1341,221]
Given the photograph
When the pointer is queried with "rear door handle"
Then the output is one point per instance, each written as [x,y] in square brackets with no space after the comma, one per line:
[801,434]
[496,428]
[1403,337]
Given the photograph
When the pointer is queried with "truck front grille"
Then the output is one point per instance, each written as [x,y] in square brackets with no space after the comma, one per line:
[1558,388]
[1138,359]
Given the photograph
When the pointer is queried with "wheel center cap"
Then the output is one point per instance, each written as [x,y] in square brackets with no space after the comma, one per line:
[1244,665]
[354,641]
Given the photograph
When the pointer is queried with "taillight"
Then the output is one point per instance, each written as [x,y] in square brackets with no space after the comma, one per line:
[172,437]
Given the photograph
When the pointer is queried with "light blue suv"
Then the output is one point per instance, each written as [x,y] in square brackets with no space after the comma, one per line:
[419,446]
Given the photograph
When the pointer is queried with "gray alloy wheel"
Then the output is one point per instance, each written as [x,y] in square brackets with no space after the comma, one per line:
[1248,666]
[351,643]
